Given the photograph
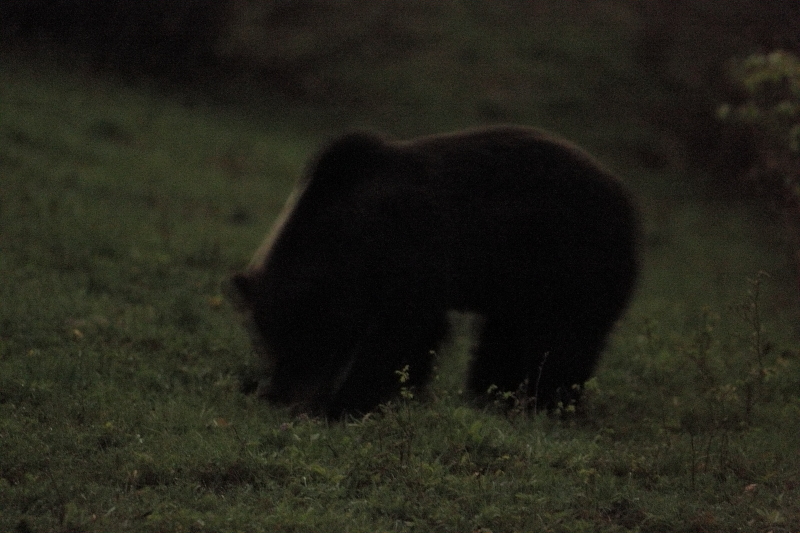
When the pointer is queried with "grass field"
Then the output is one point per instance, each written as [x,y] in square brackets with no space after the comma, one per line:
[123,210]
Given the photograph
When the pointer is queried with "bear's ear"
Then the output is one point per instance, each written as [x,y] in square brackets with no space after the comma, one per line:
[349,160]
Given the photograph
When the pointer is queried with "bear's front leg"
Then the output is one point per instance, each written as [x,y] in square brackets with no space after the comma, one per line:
[387,346]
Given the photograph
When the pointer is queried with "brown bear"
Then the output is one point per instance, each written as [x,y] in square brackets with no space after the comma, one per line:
[381,238]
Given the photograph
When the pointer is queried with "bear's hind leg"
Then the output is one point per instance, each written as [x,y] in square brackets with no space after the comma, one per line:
[530,359]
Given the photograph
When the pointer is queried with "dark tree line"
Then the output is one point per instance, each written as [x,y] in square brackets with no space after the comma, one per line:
[153,36]
[287,45]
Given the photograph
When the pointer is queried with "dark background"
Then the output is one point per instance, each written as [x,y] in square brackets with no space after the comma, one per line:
[289,47]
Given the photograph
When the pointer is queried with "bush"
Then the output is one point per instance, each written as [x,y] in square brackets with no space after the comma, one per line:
[772,111]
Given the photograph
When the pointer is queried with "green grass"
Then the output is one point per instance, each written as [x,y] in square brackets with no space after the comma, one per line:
[124,209]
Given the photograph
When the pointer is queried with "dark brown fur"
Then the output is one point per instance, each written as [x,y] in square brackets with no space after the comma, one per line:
[382,238]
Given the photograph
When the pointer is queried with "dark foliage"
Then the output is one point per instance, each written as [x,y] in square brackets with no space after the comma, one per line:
[688,45]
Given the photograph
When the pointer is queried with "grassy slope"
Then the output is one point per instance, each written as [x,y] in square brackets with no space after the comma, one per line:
[122,212]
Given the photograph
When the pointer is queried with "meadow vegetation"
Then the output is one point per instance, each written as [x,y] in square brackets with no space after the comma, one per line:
[125,206]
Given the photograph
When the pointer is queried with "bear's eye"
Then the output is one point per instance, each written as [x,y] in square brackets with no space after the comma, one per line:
[243,286]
